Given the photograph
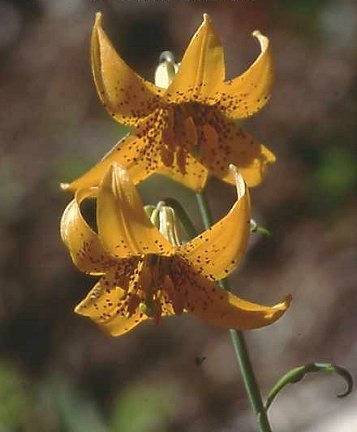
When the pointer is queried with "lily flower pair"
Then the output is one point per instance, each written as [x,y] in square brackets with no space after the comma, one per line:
[184,127]
[145,274]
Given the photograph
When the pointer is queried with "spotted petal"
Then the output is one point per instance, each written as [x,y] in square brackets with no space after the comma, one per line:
[126,96]
[106,304]
[221,308]
[123,226]
[217,251]
[195,177]
[246,94]
[202,68]
[224,143]
[226,310]
[138,152]
[82,242]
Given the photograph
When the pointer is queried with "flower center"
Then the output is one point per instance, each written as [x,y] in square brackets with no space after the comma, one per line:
[155,286]
[155,271]
[189,128]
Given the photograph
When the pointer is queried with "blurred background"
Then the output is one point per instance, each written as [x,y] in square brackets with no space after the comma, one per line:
[58,371]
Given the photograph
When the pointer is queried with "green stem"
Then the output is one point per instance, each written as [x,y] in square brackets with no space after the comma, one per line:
[204,210]
[183,217]
[239,344]
[250,381]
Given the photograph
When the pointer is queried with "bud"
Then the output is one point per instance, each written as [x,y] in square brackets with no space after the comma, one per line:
[166,70]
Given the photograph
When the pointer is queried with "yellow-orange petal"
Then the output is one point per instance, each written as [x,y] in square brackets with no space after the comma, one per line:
[246,94]
[126,96]
[221,308]
[137,152]
[224,143]
[120,325]
[202,68]
[106,305]
[85,248]
[218,251]
[123,226]
[230,311]
[253,168]
[195,177]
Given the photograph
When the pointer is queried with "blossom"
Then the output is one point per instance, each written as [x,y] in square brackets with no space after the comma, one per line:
[146,274]
[187,130]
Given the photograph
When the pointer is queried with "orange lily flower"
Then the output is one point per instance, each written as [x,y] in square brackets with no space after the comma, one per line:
[187,130]
[146,273]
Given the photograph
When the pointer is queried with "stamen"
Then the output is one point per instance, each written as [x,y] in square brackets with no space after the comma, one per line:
[147,309]
[154,217]
[191,132]
[151,308]
[174,295]
[168,225]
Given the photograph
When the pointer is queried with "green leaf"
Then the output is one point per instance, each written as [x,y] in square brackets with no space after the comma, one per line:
[297,374]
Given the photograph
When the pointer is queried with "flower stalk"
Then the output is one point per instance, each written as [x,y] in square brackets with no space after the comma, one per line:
[238,342]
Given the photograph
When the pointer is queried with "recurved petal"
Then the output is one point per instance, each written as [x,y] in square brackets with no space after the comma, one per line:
[230,311]
[221,308]
[218,251]
[195,177]
[255,166]
[84,246]
[202,68]
[246,94]
[138,152]
[224,143]
[126,96]
[106,305]
[123,226]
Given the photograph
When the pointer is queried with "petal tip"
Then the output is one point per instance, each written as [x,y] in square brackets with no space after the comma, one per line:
[98,19]
[115,175]
[284,305]
[65,186]
[272,158]
[287,301]
[206,23]
[256,33]
[278,310]
[78,309]
[115,167]
[239,181]
[263,40]
[233,169]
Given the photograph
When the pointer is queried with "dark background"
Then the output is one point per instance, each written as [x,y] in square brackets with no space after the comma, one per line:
[58,371]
